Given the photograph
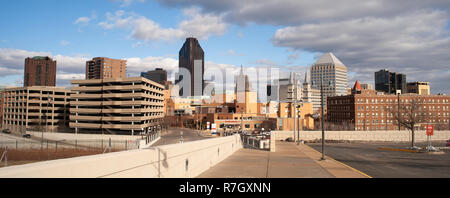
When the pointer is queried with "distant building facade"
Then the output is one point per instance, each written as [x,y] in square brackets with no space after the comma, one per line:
[35,108]
[106,68]
[366,86]
[290,89]
[370,110]
[421,88]
[158,75]
[311,95]
[389,82]
[123,106]
[39,71]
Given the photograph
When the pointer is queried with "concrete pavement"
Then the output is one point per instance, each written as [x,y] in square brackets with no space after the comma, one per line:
[289,161]
[172,136]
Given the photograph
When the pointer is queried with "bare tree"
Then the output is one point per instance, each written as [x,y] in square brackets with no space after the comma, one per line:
[409,114]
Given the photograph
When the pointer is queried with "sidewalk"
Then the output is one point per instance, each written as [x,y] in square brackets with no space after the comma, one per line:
[289,161]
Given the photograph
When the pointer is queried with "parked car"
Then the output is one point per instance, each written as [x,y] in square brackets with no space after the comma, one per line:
[6,131]
[26,136]
[448,143]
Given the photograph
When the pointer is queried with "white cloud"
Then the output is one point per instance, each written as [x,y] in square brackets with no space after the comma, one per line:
[147,30]
[82,20]
[294,12]
[198,25]
[202,25]
[136,65]
[231,52]
[126,3]
[64,43]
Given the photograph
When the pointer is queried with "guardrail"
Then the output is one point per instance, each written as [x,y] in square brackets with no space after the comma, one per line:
[255,142]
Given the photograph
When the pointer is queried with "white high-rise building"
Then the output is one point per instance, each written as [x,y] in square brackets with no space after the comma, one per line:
[334,75]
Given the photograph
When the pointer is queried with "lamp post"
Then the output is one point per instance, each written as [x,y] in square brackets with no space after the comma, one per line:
[322,115]
[295,106]
[323,129]
[398,108]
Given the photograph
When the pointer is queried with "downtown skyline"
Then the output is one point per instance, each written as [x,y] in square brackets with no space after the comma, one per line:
[148,34]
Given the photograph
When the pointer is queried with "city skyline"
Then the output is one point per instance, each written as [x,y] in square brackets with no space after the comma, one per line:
[136,31]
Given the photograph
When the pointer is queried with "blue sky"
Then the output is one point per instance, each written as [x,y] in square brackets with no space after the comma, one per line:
[366,36]
[44,25]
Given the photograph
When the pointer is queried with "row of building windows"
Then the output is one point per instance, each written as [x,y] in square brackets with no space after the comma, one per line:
[375,122]
[438,101]
[403,114]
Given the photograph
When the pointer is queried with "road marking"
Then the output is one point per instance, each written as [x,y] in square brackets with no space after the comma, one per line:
[358,171]
[396,149]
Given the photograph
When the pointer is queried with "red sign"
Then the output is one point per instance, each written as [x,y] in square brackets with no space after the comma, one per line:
[429,130]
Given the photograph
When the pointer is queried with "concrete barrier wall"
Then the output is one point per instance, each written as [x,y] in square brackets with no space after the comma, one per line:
[170,161]
[72,136]
[394,136]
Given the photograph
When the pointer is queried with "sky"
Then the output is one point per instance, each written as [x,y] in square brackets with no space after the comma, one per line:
[406,36]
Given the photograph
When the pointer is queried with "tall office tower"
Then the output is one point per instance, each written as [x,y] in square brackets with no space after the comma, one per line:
[334,75]
[242,83]
[191,58]
[246,99]
[158,75]
[390,82]
[39,71]
[104,68]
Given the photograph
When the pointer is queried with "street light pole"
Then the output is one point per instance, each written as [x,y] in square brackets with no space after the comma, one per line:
[323,129]
[295,105]
[298,125]
[398,109]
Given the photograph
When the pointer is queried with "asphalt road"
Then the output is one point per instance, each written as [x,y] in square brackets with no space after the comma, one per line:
[367,157]
[173,136]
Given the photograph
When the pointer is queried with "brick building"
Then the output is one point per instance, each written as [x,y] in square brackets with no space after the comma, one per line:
[371,110]
[104,68]
[39,71]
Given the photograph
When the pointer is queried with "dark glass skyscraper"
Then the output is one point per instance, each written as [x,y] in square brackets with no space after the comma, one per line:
[390,82]
[192,58]
[158,75]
